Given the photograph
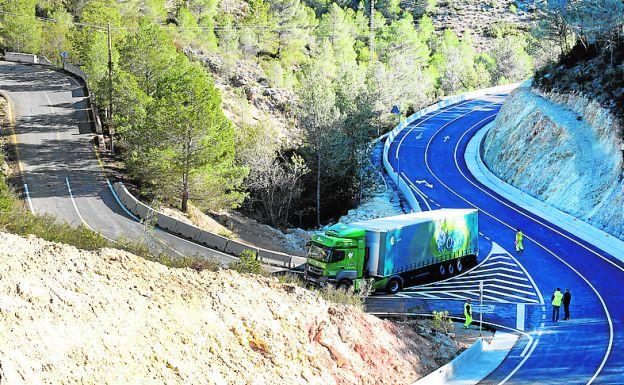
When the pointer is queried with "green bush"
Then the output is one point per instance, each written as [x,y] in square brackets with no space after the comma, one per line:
[342,297]
[247,263]
[441,321]
[291,279]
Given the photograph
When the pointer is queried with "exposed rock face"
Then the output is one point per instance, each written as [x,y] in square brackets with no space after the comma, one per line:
[109,317]
[563,150]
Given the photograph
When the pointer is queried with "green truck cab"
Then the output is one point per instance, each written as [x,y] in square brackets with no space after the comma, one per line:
[393,252]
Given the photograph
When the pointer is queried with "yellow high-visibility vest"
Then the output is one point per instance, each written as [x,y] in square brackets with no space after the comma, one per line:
[557,298]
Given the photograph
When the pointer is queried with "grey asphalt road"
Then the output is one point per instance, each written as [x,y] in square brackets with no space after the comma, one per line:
[59,165]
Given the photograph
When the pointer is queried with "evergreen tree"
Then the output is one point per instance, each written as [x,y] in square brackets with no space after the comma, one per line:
[19,28]
[188,148]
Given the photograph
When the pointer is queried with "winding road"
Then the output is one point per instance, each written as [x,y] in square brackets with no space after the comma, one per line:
[61,171]
[589,349]
[63,177]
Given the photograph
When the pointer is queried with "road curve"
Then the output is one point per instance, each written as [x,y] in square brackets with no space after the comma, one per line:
[586,350]
[60,169]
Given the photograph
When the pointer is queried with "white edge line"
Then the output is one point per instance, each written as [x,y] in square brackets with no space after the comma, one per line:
[526,348]
[28,200]
[604,305]
[438,112]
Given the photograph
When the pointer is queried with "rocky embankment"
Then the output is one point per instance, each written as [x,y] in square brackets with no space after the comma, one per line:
[109,317]
[564,150]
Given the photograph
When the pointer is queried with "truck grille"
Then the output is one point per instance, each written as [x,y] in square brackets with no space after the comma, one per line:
[313,270]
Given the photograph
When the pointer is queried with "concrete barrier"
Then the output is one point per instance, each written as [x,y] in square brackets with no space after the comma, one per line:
[273,257]
[297,261]
[165,222]
[75,70]
[473,364]
[144,212]
[237,248]
[126,198]
[403,186]
[213,241]
[44,61]
[20,57]
[193,233]
[188,231]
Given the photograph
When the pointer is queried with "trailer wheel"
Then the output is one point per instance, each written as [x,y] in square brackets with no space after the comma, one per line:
[460,266]
[393,286]
[442,270]
[344,285]
[451,269]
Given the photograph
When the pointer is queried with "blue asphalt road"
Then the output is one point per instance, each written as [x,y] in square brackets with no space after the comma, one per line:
[589,348]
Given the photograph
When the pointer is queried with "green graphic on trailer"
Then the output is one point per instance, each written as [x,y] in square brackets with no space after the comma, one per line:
[451,236]
[445,238]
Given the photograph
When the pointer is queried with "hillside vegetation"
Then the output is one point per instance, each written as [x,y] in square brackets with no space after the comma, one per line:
[591,63]
[307,84]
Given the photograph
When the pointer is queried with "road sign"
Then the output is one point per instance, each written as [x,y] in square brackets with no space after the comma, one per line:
[64,54]
[396,110]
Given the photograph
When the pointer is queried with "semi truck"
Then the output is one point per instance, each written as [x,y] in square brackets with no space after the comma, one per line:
[393,252]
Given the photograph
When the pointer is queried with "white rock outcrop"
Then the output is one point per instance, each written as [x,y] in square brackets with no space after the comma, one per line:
[564,150]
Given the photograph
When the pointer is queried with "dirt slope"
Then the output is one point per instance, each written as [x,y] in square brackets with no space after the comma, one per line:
[108,317]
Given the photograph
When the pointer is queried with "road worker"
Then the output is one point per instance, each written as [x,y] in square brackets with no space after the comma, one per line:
[556,304]
[519,237]
[567,298]
[467,313]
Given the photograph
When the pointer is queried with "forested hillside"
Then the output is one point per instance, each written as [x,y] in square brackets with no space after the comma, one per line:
[305,84]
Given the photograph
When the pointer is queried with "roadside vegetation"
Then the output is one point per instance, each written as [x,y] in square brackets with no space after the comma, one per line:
[590,41]
[338,79]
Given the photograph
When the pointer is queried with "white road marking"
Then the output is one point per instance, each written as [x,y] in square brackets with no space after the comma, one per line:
[524,351]
[76,207]
[539,293]
[500,275]
[498,256]
[499,263]
[520,316]
[500,293]
[475,283]
[508,270]
[603,304]
[28,200]
[424,181]
[417,191]
[426,119]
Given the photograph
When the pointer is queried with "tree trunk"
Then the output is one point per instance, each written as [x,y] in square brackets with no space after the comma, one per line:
[318,189]
[185,197]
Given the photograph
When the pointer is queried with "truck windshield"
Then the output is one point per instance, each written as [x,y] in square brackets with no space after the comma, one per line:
[318,252]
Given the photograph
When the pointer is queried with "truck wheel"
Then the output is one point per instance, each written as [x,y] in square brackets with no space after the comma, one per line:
[344,285]
[442,270]
[451,269]
[393,286]
[460,266]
